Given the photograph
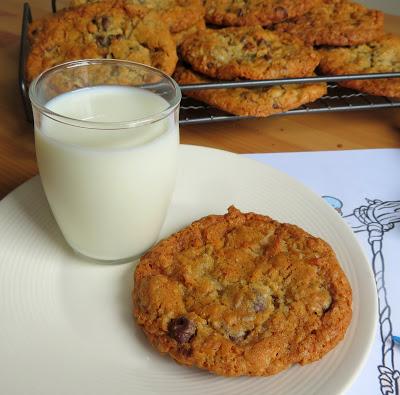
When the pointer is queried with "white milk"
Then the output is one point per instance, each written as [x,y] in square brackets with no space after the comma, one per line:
[109,190]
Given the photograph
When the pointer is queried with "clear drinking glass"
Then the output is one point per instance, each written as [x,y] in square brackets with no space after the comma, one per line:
[106,136]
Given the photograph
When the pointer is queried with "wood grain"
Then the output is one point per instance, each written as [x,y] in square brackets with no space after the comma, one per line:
[355,130]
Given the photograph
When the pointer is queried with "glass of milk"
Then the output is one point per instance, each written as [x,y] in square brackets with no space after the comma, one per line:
[106,136]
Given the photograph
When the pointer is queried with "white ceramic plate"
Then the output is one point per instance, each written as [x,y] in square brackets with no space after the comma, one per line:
[66,326]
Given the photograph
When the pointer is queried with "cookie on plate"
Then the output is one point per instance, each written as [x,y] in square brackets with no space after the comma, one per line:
[242,294]
[248,52]
[336,22]
[178,15]
[111,29]
[258,102]
[380,56]
[254,12]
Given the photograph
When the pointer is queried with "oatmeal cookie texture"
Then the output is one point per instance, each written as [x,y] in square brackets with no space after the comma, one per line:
[111,29]
[258,102]
[336,22]
[248,52]
[254,12]
[378,56]
[179,15]
[241,294]
[196,28]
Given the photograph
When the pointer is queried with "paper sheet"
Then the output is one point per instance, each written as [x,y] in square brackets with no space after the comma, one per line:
[364,186]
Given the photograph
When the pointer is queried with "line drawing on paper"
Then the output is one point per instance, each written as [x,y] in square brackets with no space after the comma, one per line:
[376,218]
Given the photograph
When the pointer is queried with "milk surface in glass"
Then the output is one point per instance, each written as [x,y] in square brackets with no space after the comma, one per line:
[104,186]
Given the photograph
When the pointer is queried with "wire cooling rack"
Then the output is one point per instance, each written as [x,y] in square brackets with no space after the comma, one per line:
[336,99]
[193,111]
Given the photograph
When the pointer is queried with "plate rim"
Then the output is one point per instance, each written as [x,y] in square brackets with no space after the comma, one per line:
[188,149]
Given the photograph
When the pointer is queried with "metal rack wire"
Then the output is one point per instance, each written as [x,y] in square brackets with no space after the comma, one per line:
[193,111]
[337,99]
[23,52]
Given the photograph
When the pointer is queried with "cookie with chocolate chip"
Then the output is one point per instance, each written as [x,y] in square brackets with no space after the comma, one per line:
[178,15]
[248,52]
[379,56]
[336,22]
[108,29]
[258,102]
[242,294]
[254,12]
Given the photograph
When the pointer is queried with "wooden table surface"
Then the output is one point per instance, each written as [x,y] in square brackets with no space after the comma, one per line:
[313,132]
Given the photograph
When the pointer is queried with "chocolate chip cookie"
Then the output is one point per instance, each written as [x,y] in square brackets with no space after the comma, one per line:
[178,15]
[336,22]
[110,29]
[248,52]
[254,12]
[378,56]
[258,102]
[241,294]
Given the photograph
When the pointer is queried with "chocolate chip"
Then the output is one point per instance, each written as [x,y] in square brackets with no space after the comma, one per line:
[105,22]
[267,57]
[210,65]
[281,13]
[103,41]
[240,12]
[186,352]
[181,329]
[249,45]
[275,299]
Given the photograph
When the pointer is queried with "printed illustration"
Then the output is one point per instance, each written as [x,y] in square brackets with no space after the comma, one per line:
[376,218]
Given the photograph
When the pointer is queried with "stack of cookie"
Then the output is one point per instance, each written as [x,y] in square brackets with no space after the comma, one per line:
[344,37]
[115,29]
[350,40]
[227,40]
[254,53]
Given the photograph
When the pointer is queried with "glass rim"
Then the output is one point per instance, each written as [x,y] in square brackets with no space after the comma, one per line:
[103,125]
